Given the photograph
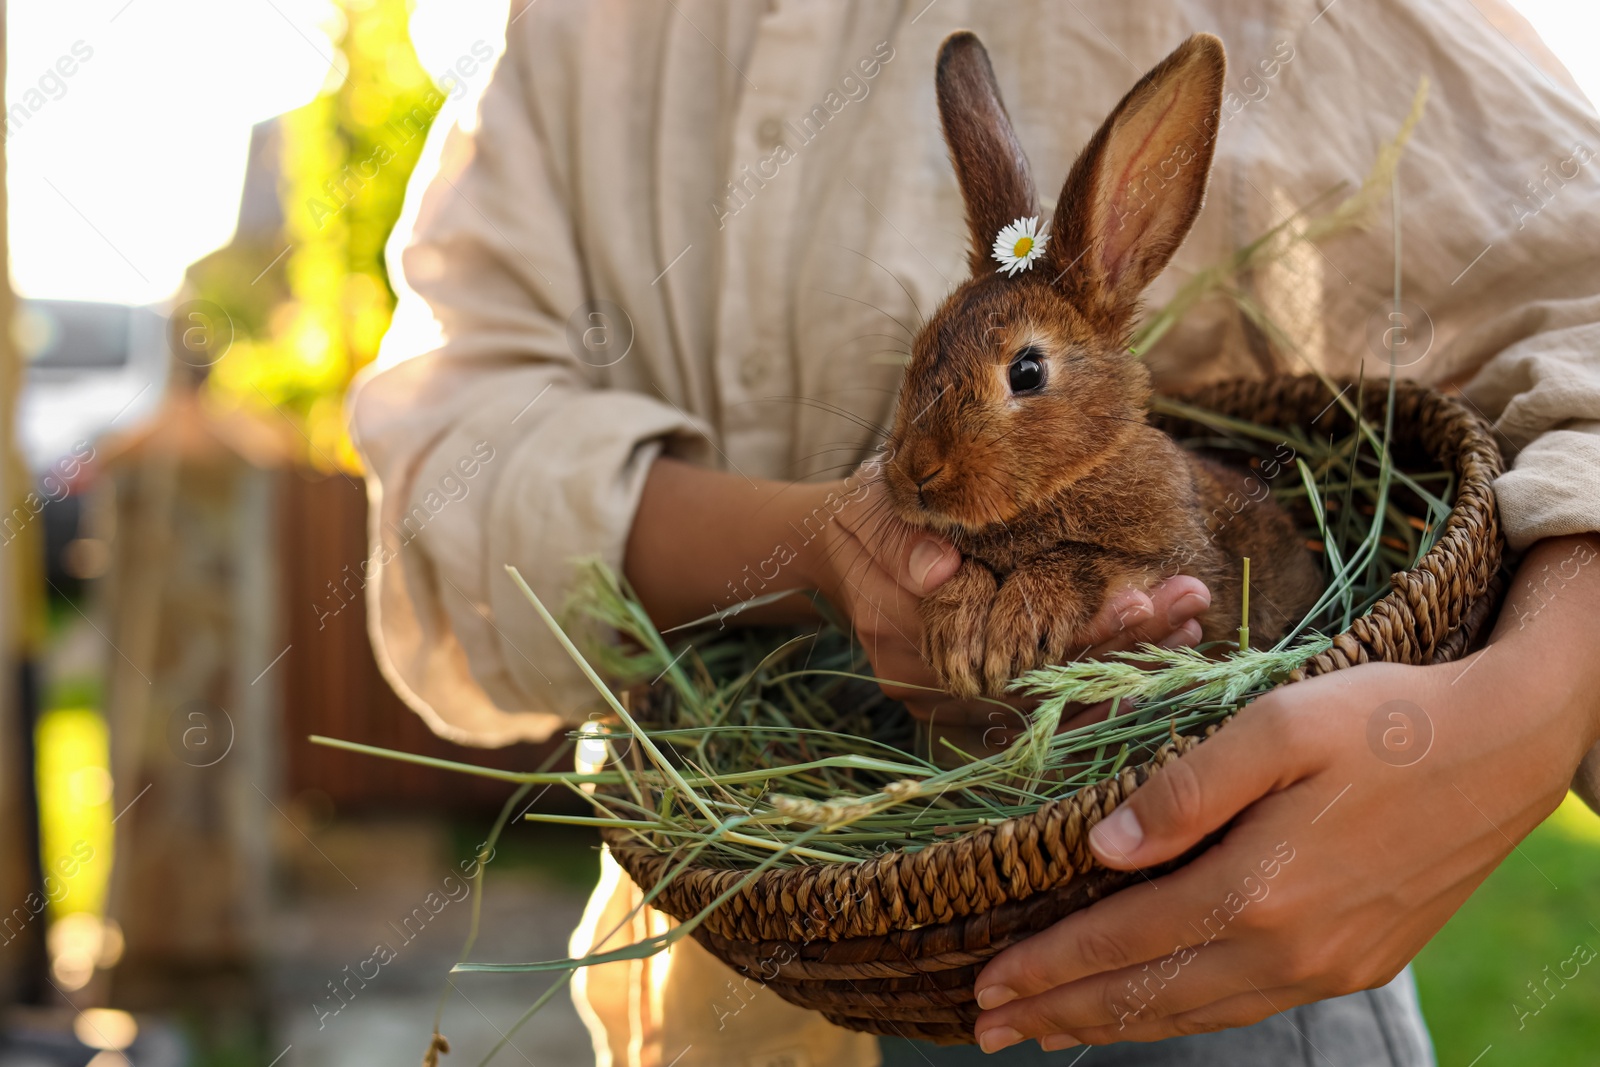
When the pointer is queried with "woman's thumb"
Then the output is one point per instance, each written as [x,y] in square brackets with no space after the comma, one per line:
[928,564]
[1188,799]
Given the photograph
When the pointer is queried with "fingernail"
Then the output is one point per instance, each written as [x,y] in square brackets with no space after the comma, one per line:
[1185,636]
[992,996]
[998,1038]
[1131,607]
[1057,1042]
[1187,607]
[1118,835]
[924,558]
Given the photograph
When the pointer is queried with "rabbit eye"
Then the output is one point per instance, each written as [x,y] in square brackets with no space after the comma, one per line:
[1027,370]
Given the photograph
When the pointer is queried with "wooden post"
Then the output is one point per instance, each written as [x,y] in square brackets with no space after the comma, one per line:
[22,961]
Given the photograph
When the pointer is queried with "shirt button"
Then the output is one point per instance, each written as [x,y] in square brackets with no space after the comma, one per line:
[753,368]
[770,133]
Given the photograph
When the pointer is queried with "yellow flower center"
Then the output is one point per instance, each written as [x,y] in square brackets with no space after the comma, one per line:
[1023,246]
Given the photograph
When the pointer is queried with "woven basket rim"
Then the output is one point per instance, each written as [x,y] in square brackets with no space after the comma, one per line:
[977,871]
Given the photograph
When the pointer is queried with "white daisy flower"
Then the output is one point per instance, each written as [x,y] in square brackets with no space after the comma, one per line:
[1018,245]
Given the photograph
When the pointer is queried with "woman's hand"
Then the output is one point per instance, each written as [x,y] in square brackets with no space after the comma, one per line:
[1366,806]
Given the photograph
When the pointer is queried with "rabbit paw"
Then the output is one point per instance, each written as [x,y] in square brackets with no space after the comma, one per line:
[954,618]
[1036,619]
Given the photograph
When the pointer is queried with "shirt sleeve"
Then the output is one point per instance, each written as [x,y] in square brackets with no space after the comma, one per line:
[1528,293]
[1534,350]
[488,433]
[1544,394]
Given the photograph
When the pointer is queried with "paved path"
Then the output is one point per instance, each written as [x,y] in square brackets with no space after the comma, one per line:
[402,930]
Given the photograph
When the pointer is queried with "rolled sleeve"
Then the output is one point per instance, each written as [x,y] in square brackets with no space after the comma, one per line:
[1543,392]
[487,441]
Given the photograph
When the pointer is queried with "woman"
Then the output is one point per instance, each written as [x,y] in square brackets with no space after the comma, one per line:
[668,274]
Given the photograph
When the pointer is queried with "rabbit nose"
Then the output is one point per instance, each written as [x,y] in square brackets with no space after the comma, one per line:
[922,483]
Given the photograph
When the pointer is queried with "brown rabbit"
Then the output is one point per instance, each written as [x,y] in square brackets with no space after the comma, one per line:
[1022,426]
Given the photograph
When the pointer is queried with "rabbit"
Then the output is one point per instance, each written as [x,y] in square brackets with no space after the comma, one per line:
[1021,431]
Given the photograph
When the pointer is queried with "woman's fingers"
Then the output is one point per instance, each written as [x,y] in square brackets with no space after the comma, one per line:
[1161,616]
[1188,976]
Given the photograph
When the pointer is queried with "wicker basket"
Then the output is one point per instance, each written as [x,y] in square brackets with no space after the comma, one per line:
[892,945]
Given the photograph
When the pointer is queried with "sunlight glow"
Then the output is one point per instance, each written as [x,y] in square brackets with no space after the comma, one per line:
[1571,31]
[129,168]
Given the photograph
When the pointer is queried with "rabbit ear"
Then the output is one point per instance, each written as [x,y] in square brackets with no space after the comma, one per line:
[1136,188]
[993,172]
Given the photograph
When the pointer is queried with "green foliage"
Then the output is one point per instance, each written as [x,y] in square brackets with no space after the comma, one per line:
[305,326]
[1531,914]
[75,806]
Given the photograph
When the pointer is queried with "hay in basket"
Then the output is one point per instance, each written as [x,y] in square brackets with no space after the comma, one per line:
[763,792]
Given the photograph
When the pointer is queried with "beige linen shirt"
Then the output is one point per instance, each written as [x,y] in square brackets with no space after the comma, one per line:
[667,223]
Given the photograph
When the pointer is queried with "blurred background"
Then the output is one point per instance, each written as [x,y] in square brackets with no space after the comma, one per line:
[198,198]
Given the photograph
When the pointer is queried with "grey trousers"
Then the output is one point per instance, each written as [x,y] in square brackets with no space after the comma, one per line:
[1376,1028]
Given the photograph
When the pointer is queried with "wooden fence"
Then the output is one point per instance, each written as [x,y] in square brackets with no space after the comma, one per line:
[331,684]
